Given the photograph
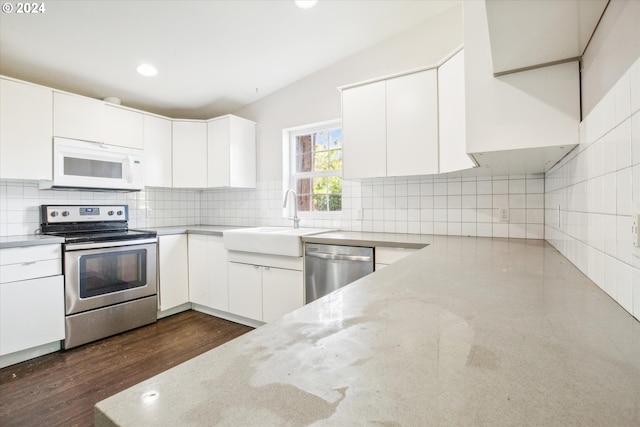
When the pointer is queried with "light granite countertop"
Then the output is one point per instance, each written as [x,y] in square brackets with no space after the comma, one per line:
[214,230]
[29,240]
[358,238]
[467,331]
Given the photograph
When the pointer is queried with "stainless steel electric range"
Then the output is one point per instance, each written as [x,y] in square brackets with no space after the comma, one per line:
[109,270]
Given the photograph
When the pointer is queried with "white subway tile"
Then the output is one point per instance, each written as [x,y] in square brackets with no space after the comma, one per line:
[501,187]
[517,186]
[624,293]
[501,230]
[636,293]
[485,187]
[635,138]
[517,231]
[484,229]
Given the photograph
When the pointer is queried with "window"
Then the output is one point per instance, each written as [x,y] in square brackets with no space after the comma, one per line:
[316,167]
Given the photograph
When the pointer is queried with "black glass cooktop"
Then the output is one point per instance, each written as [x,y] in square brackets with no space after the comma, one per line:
[105,236]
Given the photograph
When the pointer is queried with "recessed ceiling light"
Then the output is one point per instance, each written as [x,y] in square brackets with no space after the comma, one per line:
[147,70]
[305,4]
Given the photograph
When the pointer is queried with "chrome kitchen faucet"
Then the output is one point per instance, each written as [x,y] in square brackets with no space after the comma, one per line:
[296,220]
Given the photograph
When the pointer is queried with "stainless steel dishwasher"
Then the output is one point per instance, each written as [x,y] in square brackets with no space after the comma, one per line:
[329,267]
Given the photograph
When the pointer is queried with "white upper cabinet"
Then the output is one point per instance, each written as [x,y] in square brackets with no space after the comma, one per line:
[25,131]
[87,119]
[157,153]
[78,117]
[189,154]
[451,116]
[231,146]
[412,124]
[390,127]
[123,127]
[519,123]
[364,131]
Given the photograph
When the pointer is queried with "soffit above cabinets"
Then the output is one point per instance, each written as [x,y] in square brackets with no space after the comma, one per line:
[529,33]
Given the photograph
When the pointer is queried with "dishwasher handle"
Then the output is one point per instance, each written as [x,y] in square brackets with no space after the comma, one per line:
[338,257]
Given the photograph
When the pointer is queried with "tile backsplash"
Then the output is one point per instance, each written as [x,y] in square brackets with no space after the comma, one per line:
[20,202]
[467,206]
[593,192]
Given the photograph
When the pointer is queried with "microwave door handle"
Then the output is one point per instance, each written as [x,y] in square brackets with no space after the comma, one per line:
[130,171]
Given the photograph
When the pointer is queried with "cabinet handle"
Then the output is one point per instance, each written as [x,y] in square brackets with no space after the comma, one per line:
[29,262]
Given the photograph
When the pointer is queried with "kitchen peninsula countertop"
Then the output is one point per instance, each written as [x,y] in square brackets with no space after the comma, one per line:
[467,331]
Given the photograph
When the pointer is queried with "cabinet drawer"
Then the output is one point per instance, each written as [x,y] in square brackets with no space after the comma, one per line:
[386,255]
[24,254]
[30,270]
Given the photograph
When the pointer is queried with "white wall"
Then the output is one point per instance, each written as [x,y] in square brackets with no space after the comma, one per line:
[611,52]
[597,185]
[316,98]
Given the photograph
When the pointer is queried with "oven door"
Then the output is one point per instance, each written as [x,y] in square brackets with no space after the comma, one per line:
[102,274]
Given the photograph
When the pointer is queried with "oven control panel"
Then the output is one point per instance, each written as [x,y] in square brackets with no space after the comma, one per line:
[78,213]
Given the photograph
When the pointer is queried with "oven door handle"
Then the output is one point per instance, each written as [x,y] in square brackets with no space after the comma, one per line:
[112,244]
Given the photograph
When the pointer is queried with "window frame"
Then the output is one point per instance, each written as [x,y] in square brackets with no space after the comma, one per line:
[289,159]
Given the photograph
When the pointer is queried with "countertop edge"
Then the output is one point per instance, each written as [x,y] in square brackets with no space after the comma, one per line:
[29,240]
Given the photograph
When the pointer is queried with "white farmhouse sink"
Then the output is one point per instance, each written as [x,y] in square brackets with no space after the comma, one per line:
[285,241]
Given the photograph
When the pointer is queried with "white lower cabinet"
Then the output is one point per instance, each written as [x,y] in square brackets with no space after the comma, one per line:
[31,298]
[262,292]
[245,290]
[208,272]
[31,313]
[173,271]
[282,292]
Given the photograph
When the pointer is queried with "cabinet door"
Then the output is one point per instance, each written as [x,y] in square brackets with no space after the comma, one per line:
[219,153]
[157,151]
[412,124]
[123,127]
[25,132]
[451,115]
[282,292]
[208,272]
[364,131]
[189,154]
[77,117]
[245,290]
[231,152]
[31,313]
[173,271]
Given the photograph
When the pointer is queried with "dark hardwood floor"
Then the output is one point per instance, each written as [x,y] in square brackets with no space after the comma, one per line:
[62,388]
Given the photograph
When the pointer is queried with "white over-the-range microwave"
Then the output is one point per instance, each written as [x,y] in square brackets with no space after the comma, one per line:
[90,165]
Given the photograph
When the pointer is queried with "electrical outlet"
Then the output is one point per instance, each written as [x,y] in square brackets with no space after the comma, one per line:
[359,213]
[635,230]
[149,213]
[503,214]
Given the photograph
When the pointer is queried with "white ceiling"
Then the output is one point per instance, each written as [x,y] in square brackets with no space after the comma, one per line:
[213,56]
